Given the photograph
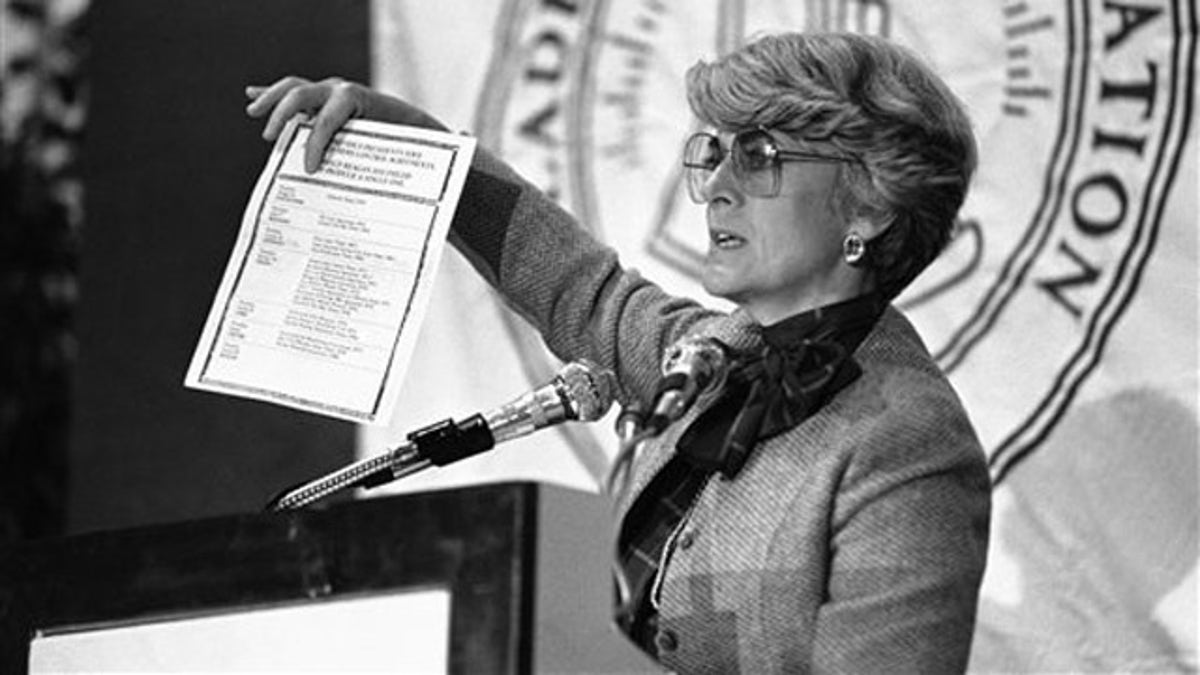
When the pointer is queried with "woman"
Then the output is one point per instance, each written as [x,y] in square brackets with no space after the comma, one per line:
[827,508]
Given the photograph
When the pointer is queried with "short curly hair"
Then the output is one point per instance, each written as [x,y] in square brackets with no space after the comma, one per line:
[872,99]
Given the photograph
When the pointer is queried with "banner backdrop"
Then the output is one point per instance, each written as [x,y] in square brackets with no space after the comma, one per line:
[1065,310]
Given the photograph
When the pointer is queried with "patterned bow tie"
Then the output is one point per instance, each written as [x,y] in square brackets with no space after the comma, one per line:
[805,360]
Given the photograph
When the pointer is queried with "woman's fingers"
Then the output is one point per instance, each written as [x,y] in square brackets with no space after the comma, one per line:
[343,102]
[282,100]
[334,101]
[263,99]
[303,98]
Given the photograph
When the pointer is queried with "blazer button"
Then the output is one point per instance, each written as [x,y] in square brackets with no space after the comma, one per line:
[686,539]
[666,641]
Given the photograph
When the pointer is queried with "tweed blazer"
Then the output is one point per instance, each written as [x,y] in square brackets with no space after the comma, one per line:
[854,542]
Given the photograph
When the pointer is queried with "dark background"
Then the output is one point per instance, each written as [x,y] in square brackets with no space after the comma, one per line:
[168,162]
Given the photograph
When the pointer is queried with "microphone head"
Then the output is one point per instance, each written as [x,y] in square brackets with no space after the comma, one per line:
[702,358]
[588,389]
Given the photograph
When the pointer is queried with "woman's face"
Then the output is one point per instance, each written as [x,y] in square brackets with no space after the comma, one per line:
[777,256]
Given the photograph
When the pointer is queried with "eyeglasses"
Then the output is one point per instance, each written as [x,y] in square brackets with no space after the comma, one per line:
[756,159]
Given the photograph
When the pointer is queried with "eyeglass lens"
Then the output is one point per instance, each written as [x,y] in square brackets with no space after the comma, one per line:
[754,162]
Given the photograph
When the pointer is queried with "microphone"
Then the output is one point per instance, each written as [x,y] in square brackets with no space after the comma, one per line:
[691,366]
[629,423]
[580,391]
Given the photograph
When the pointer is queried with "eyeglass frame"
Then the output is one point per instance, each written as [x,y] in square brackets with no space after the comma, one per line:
[775,155]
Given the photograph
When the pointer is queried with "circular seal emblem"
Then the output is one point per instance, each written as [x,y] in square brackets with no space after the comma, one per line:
[1081,110]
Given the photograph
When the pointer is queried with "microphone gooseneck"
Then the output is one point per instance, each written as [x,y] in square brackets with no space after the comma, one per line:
[367,473]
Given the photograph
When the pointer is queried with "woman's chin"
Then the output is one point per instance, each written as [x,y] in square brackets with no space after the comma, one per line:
[720,286]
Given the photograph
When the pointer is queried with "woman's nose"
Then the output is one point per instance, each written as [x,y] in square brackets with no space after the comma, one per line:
[721,182]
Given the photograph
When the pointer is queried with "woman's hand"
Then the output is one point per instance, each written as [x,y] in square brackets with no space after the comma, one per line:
[332,101]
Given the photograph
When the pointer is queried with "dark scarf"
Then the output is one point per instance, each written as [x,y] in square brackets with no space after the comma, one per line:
[806,359]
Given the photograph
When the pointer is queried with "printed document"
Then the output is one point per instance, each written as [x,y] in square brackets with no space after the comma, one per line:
[331,273]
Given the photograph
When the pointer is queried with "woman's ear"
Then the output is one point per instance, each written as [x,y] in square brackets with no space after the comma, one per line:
[868,228]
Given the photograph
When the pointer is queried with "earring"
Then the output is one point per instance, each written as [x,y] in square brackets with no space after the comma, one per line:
[854,249]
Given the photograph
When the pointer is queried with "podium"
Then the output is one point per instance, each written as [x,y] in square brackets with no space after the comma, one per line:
[524,568]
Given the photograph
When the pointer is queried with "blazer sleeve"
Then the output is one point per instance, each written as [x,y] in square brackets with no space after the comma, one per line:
[569,286]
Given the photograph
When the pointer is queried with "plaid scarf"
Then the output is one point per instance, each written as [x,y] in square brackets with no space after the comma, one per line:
[804,361]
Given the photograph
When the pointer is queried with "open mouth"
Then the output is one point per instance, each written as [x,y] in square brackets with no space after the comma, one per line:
[725,240]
